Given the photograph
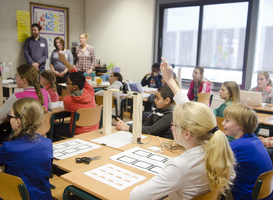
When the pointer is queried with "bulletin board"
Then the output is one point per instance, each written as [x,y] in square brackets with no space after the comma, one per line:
[53,21]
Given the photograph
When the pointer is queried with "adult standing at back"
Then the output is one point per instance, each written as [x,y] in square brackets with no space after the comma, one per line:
[85,55]
[36,49]
[59,69]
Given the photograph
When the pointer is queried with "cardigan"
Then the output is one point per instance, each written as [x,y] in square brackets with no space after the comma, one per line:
[205,87]
[267,94]
[219,112]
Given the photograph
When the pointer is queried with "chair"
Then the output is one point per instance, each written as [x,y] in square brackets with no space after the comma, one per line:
[205,98]
[219,123]
[78,192]
[214,195]
[86,117]
[47,126]
[12,187]
[263,186]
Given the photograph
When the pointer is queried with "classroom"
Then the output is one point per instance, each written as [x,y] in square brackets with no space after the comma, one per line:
[134,35]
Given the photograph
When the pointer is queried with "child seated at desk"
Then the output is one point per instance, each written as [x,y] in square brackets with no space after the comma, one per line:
[264,86]
[48,79]
[201,168]
[27,154]
[161,118]
[28,79]
[115,81]
[251,156]
[153,79]
[81,95]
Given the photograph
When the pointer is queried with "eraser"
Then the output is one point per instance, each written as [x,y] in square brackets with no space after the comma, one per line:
[155,149]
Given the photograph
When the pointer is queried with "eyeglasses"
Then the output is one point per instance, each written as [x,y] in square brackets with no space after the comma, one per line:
[176,126]
[67,83]
[10,116]
[21,115]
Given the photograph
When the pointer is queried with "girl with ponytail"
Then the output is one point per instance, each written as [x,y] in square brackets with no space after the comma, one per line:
[28,154]
[206,165]
[28,79]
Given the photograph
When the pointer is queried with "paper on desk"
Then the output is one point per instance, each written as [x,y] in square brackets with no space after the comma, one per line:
[148,89]
[115,176]
[142,159]
[7,81]
[72,148]
[57,104]
[117,139]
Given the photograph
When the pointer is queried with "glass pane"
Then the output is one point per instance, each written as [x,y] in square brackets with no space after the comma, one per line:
[223,40]
[264,40]
[180,31]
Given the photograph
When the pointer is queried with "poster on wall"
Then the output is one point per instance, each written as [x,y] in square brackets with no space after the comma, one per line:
[53,21]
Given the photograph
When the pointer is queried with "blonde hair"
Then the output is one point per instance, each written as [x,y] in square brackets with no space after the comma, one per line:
[86,36]
[233,91]
[244,116]
[30,73]
[267,76]
[219,159]
[50,77]
[32,115]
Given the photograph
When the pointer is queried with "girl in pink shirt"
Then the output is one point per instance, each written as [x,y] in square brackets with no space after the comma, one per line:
[48,79]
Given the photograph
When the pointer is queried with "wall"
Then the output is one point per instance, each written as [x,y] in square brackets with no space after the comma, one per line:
[12,50]
[122,31]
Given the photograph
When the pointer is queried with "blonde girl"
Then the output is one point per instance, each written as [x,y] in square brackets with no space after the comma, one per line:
[201,168]
[48,79]
[28,79]
[199,84]
[264,86]
[85,55]
[230,92]
[28,154]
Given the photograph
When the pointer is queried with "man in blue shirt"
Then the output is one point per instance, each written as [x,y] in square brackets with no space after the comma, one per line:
[36,49]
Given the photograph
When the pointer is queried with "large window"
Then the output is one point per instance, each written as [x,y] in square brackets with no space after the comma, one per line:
[264,40]
[212,35]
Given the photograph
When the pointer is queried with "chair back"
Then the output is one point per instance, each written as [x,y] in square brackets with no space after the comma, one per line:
[46,126]
[1,92]
[205,98]
[214,195]
[12,187]
[219,123]
[263,186]
[99,101]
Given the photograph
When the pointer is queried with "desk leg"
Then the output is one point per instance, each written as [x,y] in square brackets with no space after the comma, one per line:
[10,91]
[72,189]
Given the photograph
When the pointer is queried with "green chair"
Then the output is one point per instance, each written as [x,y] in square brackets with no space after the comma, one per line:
[263,186]
[86,117]
[78,192]
[12,187]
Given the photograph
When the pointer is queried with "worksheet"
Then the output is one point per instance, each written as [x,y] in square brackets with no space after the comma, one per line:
[115,176]
[142,159]
[72,148]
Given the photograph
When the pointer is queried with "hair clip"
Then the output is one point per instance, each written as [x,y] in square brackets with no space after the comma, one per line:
[214,129]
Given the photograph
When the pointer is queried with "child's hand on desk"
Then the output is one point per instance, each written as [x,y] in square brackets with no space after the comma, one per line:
[120,125]
[263,140]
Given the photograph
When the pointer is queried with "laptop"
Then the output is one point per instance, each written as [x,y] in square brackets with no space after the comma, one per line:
[137,87]
[251,98]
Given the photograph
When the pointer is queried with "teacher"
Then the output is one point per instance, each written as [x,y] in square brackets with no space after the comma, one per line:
[85,55]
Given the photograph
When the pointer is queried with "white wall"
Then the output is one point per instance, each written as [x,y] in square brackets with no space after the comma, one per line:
[122,31]
[10,49]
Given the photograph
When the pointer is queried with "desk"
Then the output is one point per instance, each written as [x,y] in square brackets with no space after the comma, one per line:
[10,86]
[268,108]
[99,189]
[266,121]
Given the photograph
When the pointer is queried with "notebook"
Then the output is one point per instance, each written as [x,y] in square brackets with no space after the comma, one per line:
[252,98]
[137,87]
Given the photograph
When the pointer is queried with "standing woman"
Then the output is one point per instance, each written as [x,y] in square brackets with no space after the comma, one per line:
[85,55]
[264,86]
[199,84]
[56,65]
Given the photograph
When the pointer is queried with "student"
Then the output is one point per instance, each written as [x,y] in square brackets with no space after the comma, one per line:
[251,156]
[200,169]
[28,154]
[153,79]
[81,95]
[26,78]
[115,81]
[264,86]
[199,84]
[161,118]
[48,79]
[230,92]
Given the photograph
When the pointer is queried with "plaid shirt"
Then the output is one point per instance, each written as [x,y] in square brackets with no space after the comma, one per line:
[86,59]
